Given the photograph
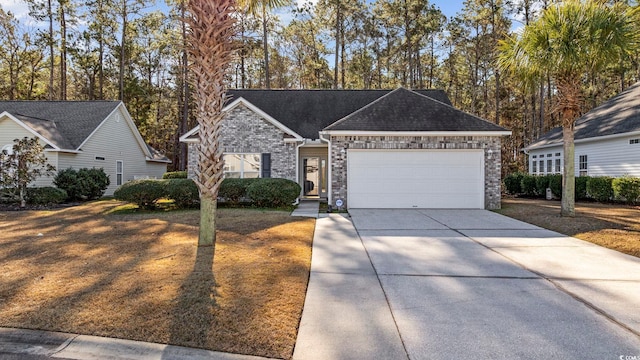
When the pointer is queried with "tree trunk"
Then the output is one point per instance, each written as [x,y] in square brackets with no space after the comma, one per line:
[335,70]
[123,39]
[208,208]
[568,178]
[52,62]
[267,75]
[63,52]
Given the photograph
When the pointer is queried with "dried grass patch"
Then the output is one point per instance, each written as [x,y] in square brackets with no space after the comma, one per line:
[142,277]
[613,226]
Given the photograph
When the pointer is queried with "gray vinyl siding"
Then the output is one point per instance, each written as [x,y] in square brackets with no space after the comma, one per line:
[10,130]
[114,140]
[606,157]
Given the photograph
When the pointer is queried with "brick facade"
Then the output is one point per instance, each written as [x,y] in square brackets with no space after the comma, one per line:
[492,164]
[244,131]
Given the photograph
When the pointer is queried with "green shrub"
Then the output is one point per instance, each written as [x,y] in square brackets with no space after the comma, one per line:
[555,183]
[581,187]
[626,189]
[175,175]
[599,188]
[270,192]
[183,192]
[83,184]
[45,195]
[512,183]
[528,185]
[234,190]
[9,196]
[542,183]
[143,193]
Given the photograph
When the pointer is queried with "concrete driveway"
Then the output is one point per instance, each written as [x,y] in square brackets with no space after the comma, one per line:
[464,284]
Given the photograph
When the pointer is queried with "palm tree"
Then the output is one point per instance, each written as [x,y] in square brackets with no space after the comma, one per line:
[210,32]
[569,40]
[260,7]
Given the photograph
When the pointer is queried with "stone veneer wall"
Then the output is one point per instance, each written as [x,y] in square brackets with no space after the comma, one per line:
[244,131]
[492,166]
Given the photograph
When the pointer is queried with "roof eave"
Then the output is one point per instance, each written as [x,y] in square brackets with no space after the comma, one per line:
[416,133]
[585,140]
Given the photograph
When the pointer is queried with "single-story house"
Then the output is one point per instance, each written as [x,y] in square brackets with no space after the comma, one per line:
[363,148]
[607,141]
[83,134]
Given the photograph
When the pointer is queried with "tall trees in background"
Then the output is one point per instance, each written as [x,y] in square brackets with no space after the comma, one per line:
[569,42]
[126,49]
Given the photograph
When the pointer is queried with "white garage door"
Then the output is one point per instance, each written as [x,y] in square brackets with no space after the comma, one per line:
[435,179]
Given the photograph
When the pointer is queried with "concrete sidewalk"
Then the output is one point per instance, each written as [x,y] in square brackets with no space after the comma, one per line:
[307,208]
[35,345]
[464,284]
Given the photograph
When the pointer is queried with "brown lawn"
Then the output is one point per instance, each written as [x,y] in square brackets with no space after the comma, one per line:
[613,226]
[92,270]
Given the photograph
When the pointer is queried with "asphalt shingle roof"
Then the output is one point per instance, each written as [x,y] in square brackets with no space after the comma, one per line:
[65,123]
[406,110]
[618,115]
[307,112]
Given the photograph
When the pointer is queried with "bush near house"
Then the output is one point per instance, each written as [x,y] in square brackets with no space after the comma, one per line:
[144,193]
[183,192]
[626,189]
[175,175]
[45,195]
[83,184]
[261,192]
[601,188]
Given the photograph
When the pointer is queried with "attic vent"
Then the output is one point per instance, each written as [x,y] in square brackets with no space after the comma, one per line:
[99,158]
[634,141]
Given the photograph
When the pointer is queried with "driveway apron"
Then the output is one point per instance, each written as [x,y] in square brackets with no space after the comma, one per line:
[464,284]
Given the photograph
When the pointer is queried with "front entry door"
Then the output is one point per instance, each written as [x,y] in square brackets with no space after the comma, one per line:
[311,166]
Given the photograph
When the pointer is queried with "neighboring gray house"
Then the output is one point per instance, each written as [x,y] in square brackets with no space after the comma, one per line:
[607,141]
[367,148]
[83,134]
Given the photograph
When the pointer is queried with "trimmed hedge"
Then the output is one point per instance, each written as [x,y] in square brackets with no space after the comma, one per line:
[235,190]
[512,183]
[271,192]
[45,195]
[555,184]
[83,184]
[175,175]
[528,185]
[183,192]
[600,189]
[626,189]
[262,192]
[144,193]
[581,187]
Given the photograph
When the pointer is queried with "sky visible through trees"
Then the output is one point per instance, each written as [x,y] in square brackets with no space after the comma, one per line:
[133,50]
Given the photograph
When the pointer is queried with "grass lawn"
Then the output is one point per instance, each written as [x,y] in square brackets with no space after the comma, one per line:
[92,269]
[613,226]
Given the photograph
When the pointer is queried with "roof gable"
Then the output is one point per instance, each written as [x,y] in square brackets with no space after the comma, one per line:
[618,115]
[406,110]
[65,124]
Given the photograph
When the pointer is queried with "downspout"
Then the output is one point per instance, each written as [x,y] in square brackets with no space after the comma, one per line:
[329,163]
[298,170]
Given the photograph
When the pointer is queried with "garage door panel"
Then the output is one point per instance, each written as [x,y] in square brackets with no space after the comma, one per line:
[409,179]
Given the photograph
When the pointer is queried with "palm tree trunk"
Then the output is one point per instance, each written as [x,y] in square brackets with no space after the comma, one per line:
[567,207]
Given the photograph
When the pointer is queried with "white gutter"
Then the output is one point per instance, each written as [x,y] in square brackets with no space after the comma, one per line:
[329,179]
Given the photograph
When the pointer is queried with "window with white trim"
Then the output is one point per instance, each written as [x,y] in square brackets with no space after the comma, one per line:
[558,166]
[583,165]
[541,166]
[634,141]
[119,172]
[550,166]
[534,167]
[242,166]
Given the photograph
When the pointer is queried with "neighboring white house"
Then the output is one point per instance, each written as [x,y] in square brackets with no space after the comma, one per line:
[607,141]
[83,134]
